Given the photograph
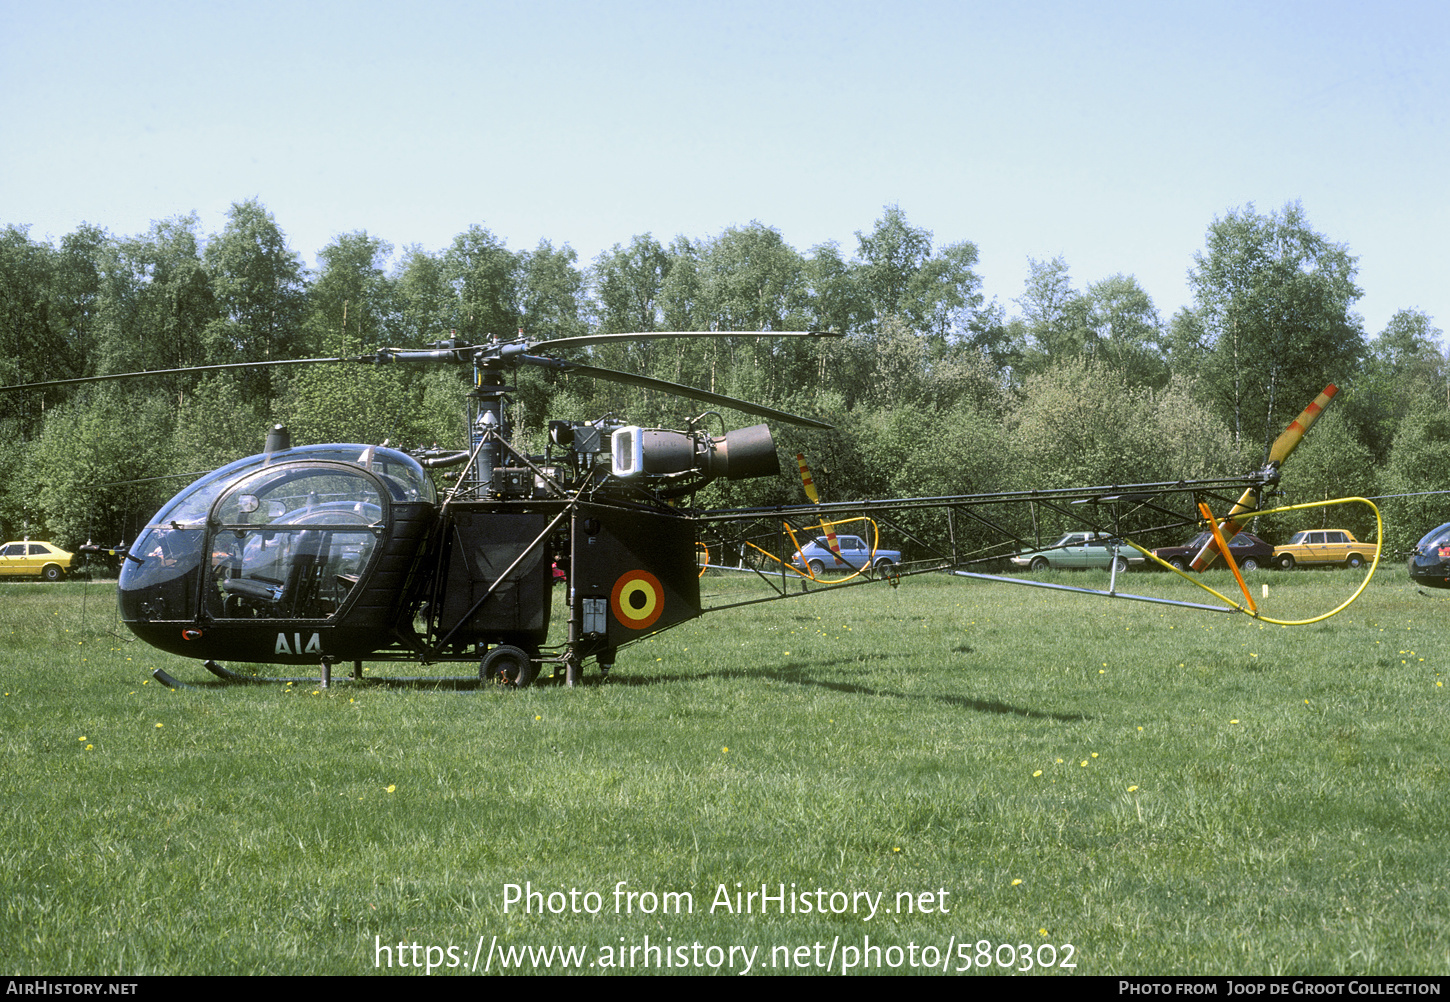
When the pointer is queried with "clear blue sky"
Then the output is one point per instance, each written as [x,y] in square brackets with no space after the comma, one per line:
[1109,134]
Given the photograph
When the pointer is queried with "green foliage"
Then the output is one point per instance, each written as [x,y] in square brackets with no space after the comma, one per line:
[1082,423]
[1273,301]
[427,304]
[1403,364]
[899,276]
[485,275]
[627,283]
[346,403]
[217,423]
[1053,315]
[1419,467]
[552,293]
[31,346]
[352,304]
[258,285]
[1127,333]
[82,474]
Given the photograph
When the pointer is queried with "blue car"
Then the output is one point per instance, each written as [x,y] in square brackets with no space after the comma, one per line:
[817,558]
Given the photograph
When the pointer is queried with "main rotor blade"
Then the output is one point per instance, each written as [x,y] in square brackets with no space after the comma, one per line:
[705,396]
[175,372]
[587,339]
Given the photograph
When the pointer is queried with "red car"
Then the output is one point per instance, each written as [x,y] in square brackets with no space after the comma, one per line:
[1249,552]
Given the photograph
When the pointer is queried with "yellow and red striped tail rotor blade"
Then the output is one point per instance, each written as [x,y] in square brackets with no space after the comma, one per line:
[806,481]
[1283,446]
[1289,440]
[811,493]
[834,544]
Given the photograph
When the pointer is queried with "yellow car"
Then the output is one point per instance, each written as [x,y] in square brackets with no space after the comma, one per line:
[31,559]
[1320,547]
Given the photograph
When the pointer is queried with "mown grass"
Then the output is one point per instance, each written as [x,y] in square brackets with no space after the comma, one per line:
[1167,791]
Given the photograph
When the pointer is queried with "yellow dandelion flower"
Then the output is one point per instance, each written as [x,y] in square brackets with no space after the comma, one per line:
[1095,754]
[1132,789]
[1042,932]
[1233,721]
[89,747]
[1037,773]
[392,787]
[81,738]
[1016,881]
[1084,763]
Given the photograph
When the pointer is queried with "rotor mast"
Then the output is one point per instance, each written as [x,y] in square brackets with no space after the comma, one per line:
[487,421]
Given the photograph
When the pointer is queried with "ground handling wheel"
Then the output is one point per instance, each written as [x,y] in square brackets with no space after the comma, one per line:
[508,665]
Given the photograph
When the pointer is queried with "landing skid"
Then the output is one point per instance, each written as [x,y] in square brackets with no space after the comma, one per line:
[324,680]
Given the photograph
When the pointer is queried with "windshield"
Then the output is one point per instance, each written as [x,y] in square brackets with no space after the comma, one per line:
[405,478]
[1434,539]
[292,541]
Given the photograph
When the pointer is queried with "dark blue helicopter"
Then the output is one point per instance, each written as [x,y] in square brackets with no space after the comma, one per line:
[344,552]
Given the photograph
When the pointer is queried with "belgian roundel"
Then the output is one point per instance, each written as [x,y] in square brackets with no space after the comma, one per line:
[637,599]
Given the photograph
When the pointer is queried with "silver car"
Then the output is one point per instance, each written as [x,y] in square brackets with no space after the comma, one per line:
[1080,549]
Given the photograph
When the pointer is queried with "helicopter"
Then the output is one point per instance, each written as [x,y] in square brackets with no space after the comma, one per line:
[346,552]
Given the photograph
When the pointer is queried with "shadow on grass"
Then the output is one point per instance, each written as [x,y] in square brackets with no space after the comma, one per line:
[796,673]
[793,673]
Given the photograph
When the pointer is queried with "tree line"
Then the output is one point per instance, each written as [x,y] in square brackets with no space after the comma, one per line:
[932,390]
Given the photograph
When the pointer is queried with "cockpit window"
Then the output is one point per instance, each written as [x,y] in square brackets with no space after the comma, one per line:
[292,534]
[405,479]
[292,542]
[1435,540]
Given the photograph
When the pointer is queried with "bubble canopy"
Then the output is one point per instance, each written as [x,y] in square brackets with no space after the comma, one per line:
[300,527]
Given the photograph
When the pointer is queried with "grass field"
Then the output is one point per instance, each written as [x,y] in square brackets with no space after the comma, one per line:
[1043,778]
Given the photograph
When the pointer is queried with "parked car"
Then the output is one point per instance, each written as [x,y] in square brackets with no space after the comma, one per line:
[816,556]
[1079,549]
[1249,552]
[28,558]
[1320,547]
[1429,561]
